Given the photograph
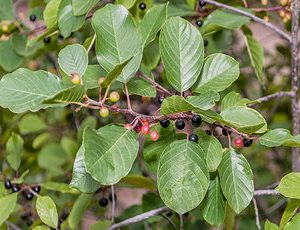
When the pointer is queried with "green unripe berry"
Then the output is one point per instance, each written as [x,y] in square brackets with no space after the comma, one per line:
[75,79]
[114,96]
[101,80]
[104,112]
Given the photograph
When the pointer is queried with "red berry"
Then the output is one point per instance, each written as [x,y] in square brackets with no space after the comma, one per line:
[144,121]
[138,128]
[145,129]
[238,142]
[154,135]
[127,126]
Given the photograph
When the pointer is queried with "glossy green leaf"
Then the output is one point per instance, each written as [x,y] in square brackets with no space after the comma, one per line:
[294,223]
[59,187]
[68,22]
[236,180]
[51,13]
[81,180]
[81,7]
[7,10]
[182,176]
[182,52]
[270,226]
[213,151]
[152,22]
[73,59]
[92,75]
[213,210]
[31,123]
[109,153]
[289,185]
[204,101]
[256,54]
[138,181]
[78,209]
[243,119]
[117,37]
[14,150]
[7,204]
[218,73]
[280,137]
[220,19]
[9,59]
[175,104]
[289,212]
[234,99]
[47,211]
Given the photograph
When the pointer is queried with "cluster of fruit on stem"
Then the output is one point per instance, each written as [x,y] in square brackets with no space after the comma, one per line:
[27,192]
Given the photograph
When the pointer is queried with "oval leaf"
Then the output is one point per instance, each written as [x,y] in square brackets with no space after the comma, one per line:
[14,150]
[289,185]
[46,210]
[7,204]
[81,7]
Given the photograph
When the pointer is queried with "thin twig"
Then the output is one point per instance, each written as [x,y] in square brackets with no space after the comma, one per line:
[253,17]
[127,97]
[256,214]
[169,220]
[275,95]
[139,218]
[13,226]
[113,204]
[181,222]
[266,192]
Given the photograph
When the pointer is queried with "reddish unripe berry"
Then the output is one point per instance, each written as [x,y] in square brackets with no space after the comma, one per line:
[127,126]
[144,121]
[154,135]
[238,142]
[75,78]
[145,129]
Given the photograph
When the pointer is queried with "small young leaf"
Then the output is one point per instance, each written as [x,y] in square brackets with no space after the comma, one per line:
[289,185]
[51,13]
[14,150]
[7,204]
[234,99]
[270,226]
[204,101]
[47,211]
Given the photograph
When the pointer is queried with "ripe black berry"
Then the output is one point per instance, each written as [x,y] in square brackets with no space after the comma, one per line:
[36,189]
[226,131]
[7,184]
[169,214]
[196,120]
[205,42]
[103,202]
[47,40]
[193,137]
[28,195]
[15,188]
[247,142]
[32,17]
[24,216]
[160,99]
[110,197]
[199,23]
[180,124]
[202,3]
[164,123]
[142,6]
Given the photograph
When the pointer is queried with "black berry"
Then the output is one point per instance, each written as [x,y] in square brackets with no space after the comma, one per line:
[32,17]
[36,189]
[64,216]
[247,142]
[205,42]
[15,188]
[226,131]
[24,216]
[199,23]
[160,99]
[103,202]
[180,124]
[47,40]
[202,3]
[169,214]
[29,222]
[208,132]
[7,184]
[142,6]
[193,137]
[196,120]
[164,123]
[28,195]
[110,197]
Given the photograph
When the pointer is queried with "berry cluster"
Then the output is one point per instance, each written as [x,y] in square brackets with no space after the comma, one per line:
[239,142]
[27,194]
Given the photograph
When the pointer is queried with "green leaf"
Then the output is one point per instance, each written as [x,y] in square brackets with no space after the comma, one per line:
[204,101]
[138,181]
[47,211]
[182,176]
[81,7]
[236,180]
[7,204]
[152,22]
[14,150]
[127,3]
[213,151]
[40,227]
[256,54]
[280,137]
[52,156]
[270,226]
[289,212]
[294,223]
[289,185]
[175,104]
[9,59]
[81,180]
[73,59]
[103,225]
[243,119]
[234,99]
[182,52]
[68,22]
[218,73]
[59,187]
[19,43]
[117,37]
[213,210]
[31,123]
[51,13]
[6,11]
[220,19]
[151,56]
[78,209]
[109,153]
[25,90]
[92,75]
